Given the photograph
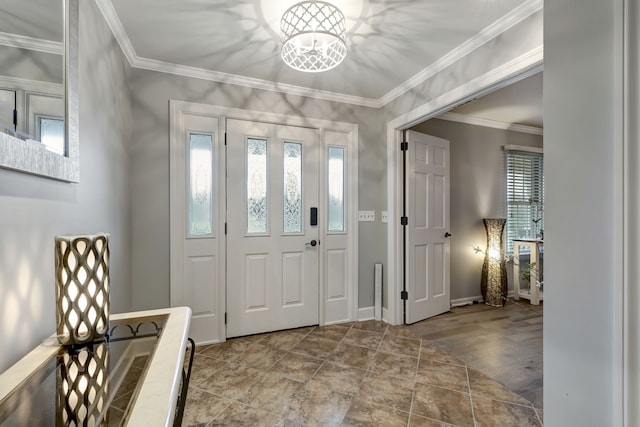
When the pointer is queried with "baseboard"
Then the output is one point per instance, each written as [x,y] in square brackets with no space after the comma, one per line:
[471,300]
[365,313]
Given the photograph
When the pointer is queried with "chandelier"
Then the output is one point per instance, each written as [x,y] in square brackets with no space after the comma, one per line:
[313,36]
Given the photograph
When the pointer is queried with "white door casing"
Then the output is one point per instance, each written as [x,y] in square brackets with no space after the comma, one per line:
[274,282]
[428,247]
[338,251]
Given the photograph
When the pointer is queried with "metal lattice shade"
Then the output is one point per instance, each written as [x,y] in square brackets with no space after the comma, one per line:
[313,36]
[82,288]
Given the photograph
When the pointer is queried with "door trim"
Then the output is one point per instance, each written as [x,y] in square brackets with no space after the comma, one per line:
[176,214]
[511,72]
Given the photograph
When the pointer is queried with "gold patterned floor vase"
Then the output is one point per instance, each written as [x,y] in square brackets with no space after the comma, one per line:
[494,271]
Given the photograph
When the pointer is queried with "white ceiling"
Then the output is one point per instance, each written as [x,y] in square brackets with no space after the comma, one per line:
[392,45]
[389,41]
[39,19]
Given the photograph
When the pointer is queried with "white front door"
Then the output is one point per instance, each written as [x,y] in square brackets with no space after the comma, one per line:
[273,244]
[427,255]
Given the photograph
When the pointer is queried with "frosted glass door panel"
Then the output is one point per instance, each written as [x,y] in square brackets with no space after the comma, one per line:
[336,189]
[257,203]
[52,134]
[200,184]
[292,171]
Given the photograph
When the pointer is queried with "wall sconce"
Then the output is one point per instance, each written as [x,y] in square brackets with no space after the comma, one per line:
[82,288]
[82,385]
[494,271]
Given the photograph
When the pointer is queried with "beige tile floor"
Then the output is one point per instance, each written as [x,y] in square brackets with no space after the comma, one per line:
[363,373]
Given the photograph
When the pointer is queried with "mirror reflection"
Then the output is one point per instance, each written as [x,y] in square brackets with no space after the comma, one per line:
[32,104]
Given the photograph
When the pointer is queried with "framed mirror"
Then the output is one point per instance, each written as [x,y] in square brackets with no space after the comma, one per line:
[39,105]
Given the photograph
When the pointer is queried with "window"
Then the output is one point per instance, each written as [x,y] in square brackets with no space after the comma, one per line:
[257,186]
[200,184]
[336,189]
[292,179]
[525,196]
[50,133]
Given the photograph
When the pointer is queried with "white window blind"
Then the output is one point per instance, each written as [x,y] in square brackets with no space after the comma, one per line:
[525,196]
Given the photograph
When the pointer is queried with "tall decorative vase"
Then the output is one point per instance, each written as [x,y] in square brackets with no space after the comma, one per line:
[82,288]
[494,271]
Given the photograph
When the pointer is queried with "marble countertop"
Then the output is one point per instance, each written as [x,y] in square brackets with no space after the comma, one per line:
[157,395]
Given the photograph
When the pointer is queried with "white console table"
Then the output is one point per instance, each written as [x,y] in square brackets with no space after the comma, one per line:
[533,294]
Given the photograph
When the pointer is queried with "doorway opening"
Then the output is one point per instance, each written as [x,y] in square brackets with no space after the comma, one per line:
[481,194]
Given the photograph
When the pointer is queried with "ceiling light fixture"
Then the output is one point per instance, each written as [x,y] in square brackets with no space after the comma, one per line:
[313,36]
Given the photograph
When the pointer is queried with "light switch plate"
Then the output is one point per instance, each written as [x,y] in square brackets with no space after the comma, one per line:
[384,216]
[366,216]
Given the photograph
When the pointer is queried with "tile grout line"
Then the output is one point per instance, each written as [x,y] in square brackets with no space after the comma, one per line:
[413,392]
[538,416]
[473,413]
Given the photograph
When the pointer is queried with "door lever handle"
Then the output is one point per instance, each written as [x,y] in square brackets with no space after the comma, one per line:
[447,234]
[313,243]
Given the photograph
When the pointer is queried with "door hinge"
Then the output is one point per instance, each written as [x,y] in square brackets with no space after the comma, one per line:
[404,146]
[404,220]
[225,138]
[225,228]
[404,295]
[225,317]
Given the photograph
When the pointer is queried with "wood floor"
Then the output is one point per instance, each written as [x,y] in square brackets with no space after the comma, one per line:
[503,343]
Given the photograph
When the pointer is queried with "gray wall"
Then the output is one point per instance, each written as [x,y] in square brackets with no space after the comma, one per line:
[150,180]
[583,134]
[477,192]
[33,210]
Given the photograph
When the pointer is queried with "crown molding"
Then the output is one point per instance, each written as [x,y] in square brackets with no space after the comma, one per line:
[498,27]
[521,67]
[514,17]
[31,85]
[217,76]
[477,121]
[113,21]
[24,42]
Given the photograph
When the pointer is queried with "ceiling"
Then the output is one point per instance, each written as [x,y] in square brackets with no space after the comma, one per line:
[519,103]
[389,42]
[392,45]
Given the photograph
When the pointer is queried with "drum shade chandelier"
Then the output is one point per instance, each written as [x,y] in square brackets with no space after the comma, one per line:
[313,36]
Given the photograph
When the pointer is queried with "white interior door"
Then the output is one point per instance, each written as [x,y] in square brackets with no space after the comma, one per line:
[428,248]
[272,247]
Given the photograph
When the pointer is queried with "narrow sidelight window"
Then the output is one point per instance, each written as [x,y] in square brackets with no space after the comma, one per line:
[200,184]
[336,189]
